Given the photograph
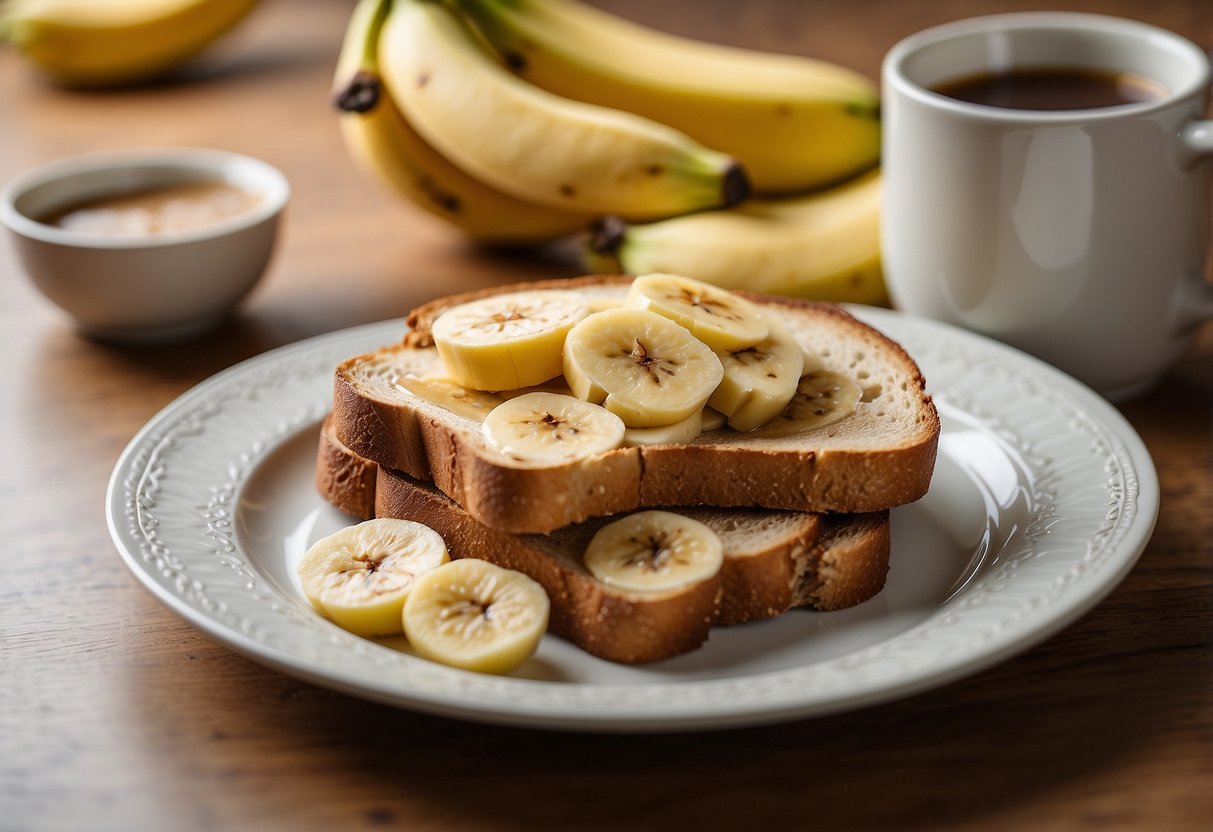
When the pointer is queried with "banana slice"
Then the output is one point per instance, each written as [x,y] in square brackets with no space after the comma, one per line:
[460,400]
[360,576]
[549,429]
[712,420]
[759,381]
[507,341]
[675,434]
[719,318]
[651,551]
[645,368]
[822,398]
[475,615]
[555,385]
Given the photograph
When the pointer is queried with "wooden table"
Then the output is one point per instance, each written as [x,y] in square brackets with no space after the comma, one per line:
[115,714]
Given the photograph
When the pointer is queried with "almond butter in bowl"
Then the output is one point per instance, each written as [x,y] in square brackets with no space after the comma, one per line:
[142,246]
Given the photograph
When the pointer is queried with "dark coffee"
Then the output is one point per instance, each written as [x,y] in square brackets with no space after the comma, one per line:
[1053,89]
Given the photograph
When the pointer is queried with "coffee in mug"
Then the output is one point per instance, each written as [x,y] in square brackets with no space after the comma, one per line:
[1062,88]
[1078,234]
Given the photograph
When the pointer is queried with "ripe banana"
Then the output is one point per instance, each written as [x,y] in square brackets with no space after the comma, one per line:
[712,420]
[822,398]
[642,367]
[759,381]
[720,319]
[507,341]
[360,576]
[535,145]
[384,144]
[472,614]
[794,123]
[825,245]
[550,429]
[652,551]
[96,44]
[675,434]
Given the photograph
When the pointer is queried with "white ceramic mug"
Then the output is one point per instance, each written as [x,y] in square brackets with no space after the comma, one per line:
[1077,235]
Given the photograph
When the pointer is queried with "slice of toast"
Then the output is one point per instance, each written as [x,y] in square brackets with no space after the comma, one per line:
[774,561]
[880,456]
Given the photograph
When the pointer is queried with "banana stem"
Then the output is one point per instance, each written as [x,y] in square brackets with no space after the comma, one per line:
[370,44]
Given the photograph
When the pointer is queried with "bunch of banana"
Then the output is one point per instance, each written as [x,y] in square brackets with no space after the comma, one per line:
[526,120]
[88,43]
[437,116]
[792,122]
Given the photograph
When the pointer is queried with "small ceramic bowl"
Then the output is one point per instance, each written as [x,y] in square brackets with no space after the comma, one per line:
[167,286]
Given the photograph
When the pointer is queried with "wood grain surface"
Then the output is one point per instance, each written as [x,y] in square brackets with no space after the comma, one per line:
[115,714]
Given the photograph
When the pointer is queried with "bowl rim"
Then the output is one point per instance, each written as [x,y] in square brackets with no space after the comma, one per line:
[236,168]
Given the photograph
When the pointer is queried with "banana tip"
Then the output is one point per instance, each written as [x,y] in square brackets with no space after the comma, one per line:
[360,95]
[736,185]
[607,235]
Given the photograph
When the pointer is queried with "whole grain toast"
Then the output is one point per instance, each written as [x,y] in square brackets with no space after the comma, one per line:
[879,457]
[774,561]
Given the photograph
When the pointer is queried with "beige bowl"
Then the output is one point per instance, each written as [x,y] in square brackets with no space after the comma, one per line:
[163,287]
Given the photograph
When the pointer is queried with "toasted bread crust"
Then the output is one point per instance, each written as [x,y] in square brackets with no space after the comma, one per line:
[344,478]
[850,563]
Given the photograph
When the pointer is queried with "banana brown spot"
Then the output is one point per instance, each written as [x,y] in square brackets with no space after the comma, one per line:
[708,305]
[749,356]
[370,563]
[650,364]
[360,95]
[654,170]
[422,80]
[558,426]
[515,61]
[782,109]
[568,190]
[653,552]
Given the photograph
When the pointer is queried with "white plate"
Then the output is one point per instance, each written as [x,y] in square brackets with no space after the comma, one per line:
[1042,500]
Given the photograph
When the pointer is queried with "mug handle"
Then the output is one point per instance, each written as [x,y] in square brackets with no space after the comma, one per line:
[1196,302]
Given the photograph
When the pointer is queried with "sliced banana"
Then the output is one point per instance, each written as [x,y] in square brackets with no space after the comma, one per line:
[507,341]
[555,385]
[675,434]
[549,429]
[360,576]
[719,318]
[759,381]
[600,303]
[822,398]
[712,420]
[641,366]
[472,614]
[652,551]
[447,393]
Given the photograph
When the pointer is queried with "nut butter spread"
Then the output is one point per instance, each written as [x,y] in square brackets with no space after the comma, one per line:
[171,208]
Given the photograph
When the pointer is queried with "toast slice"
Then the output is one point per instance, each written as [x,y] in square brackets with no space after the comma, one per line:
[774,561]
[880,456]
